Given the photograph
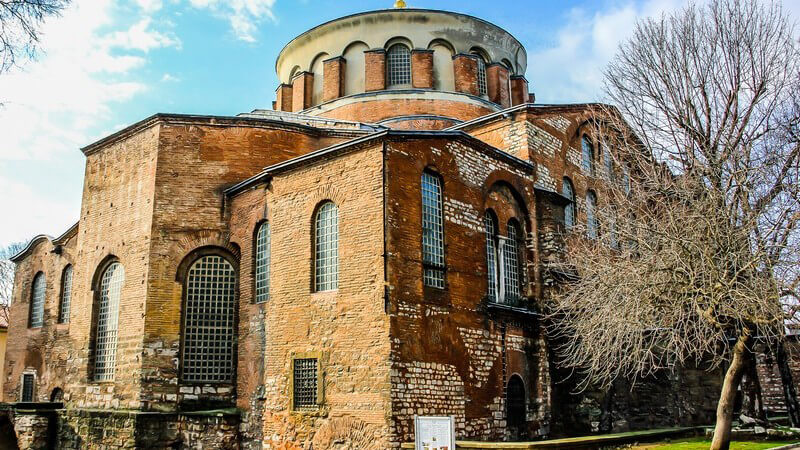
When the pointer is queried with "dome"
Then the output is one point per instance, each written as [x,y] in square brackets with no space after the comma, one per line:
[401,66]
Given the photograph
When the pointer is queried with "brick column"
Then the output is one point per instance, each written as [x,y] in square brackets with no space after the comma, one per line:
[375,70]
[422,68]
[497,84]
[465,68]
[302,87]
[284,98]
[333,82]
[519,90]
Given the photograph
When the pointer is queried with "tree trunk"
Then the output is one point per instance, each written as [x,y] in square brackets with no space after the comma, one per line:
[607,416]
[722,429]
[789,393]
[753,400]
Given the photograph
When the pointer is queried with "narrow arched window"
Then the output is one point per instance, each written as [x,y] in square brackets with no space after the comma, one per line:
[511,272]
[326,248]
[591,215]
[491,254]
[609,163]
[626,179]
[262,259]
[209,321]
[587,158]
[398,66]
[515,401]
[36,318]
[66,295]
[481,74]
[110,290]
[432,231]
[568,191]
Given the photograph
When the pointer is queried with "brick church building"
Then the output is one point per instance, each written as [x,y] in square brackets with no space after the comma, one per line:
[374,246]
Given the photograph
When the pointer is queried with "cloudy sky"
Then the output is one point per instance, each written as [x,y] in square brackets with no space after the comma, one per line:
[107,64]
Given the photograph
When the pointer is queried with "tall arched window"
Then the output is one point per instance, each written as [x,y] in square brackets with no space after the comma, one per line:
[36,318]
[626,179]
[108,321]
[209,321]
[398,66]
[587,155]
[432,231]
[262,260]
[326,248]
[511,272]
[591,215]
[66,295]
[609,163]
[481,74]
[568,191]
[491,254]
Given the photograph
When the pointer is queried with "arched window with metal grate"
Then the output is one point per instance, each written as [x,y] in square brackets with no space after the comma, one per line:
[398,66]
[262,261]
[326,248]
[587,156]
[209,328]
[110,290]
[432,231]
[591,215]
[481,75]
[511,269]
[568,191]
[66,295]
[36,317]
[490,221]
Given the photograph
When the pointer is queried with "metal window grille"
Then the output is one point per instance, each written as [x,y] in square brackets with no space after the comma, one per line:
[569,212]
[108,322]
[432,231]
[511,265]
[609,163]
[37,301]
[481,75]
[28,380]
[588,156]
[326,265]
[305,383]
[491,256]
[398,65]
[626,180]
[591,215]
[262,263]
[208,326]
[66,295]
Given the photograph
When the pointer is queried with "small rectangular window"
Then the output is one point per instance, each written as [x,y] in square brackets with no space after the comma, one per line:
[305,383]
[28,380]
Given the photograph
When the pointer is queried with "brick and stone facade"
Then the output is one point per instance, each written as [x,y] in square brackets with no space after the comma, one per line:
[170,190]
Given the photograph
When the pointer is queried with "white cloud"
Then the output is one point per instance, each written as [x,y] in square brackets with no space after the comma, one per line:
[571,70]
[243,15]
[140,37]
[168,78]
[150,5]
[53,105]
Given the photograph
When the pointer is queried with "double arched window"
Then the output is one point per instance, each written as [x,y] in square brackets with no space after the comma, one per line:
[209,321]
[36,317]
[66,295]
[591,215]
[110,290]
[262,260]
[398,66]
[326,248]
[432,231]
[568,191]
[587,156]
[504,268]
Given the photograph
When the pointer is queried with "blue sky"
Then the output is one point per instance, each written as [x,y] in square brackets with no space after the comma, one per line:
[107,64]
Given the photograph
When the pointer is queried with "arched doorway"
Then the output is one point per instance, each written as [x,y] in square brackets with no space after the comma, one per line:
[515,407]
[57,396]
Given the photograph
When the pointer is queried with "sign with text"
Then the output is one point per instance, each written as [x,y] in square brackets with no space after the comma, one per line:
[434,433]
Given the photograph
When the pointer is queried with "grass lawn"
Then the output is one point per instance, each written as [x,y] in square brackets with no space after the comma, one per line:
[704,444]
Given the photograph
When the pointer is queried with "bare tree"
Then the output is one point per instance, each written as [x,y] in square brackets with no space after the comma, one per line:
[697,257]
[20,23]
[7,276]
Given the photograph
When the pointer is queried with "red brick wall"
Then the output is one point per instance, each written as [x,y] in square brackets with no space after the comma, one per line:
[497,84]
[422,68]
[377,110]
[466,73]
[375,76]
[284,98]
[302,90]
[333,84]
[519,90]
